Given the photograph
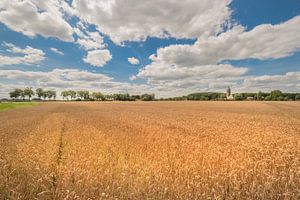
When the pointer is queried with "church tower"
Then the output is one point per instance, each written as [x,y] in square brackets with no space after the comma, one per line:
[229,95]
[228,92]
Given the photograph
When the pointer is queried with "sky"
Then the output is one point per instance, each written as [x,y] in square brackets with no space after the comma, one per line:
[166,47]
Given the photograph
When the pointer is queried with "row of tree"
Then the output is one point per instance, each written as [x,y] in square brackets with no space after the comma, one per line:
[98,96]
[81,95]
[84,95]
[18,94]
[275,95]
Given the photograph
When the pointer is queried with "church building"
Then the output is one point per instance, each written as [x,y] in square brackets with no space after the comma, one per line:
[229,95]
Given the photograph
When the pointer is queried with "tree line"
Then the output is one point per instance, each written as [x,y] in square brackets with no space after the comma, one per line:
[275,95]
[21,94]
[82,95]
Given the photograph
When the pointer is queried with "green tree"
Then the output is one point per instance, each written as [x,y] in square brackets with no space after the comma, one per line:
[80,94]
[97,96]
[28,92]
[238,97]
[268,98]
[121,97]
[19,92]
[148,97]
[22,94]
[136,97]
[39,92]
[83,94]
[222,96]
[259,96]
[286,98]
[297,97]
[280,98]
[108,97]
[45,94]
[72,94]
[276,95]
[289,96]
[50,94]
[65,94]
[53,95]
[13,94]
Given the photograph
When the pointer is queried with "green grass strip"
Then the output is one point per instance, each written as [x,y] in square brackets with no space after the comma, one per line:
[13,105]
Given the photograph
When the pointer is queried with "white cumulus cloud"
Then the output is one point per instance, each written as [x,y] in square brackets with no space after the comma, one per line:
[134,20]
[35,17]
[55,50]
[199,63]
[90,40]
[289,81]
[98,58]
[61,79]
[29,56]
[133,61]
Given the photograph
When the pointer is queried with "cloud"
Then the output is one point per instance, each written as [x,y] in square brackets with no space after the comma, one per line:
[263,42]
[132,78]
[93,43]
[174,80]
[159,72]
[35,17]
[30,55]
[61,79]
[201,63]
[133,61]
[98,58]
[158,18]
[286,82]
[90,40]
[57,51]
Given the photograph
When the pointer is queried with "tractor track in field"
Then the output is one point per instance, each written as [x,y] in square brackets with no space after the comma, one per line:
[58,161]
[60,145]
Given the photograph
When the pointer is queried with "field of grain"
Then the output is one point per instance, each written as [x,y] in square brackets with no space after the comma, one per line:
[151,150]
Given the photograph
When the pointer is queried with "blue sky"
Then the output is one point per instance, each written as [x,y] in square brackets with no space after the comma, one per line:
[178,48]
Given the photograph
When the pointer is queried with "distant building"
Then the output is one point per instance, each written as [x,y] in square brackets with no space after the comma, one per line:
[229,96]
[228,92]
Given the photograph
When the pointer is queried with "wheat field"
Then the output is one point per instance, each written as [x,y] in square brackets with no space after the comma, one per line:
[151,150]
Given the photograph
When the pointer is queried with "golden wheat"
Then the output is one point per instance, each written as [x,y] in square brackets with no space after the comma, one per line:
[151,150]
